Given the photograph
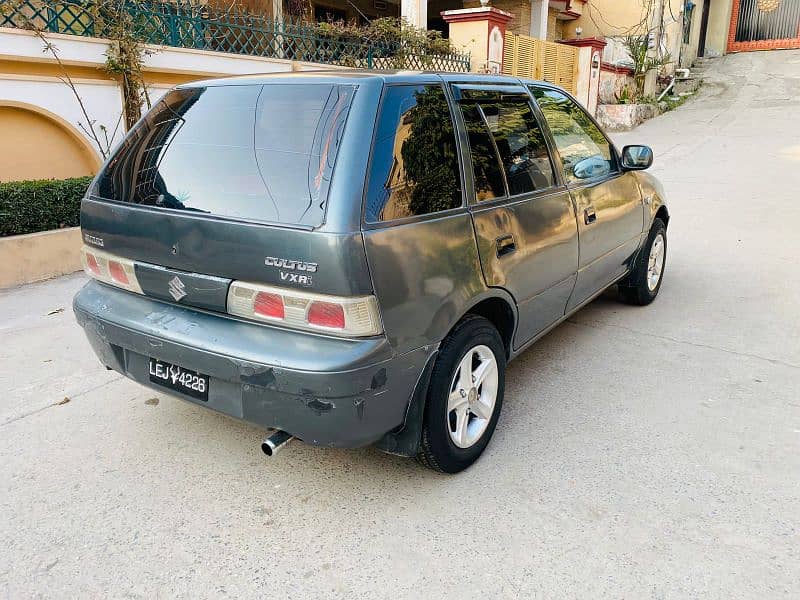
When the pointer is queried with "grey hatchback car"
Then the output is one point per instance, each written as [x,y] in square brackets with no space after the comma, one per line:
[351,258]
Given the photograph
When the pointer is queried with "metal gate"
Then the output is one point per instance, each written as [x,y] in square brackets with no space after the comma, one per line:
[764,25]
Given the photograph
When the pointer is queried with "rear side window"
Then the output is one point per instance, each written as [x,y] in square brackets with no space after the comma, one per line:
[509,152]
[414,167]
[252,152]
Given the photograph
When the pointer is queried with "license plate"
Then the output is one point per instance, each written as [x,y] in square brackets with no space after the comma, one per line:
[177,378]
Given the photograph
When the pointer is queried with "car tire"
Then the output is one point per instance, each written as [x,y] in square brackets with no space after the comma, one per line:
[461,412]
[642,285]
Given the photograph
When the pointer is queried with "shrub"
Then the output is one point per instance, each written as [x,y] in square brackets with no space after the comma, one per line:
[40,205]
[387,32]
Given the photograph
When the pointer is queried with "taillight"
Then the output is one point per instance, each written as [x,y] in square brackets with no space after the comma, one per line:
[326,314]
[110,269]
[91,264]
[353,317]
[117,272]
[268,305]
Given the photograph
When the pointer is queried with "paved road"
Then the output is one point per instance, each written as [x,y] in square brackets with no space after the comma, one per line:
[649,452]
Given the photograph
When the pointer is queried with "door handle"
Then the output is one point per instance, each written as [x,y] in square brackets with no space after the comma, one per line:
[505,245]
[589,216]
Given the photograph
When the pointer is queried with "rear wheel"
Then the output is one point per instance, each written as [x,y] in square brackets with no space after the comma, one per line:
[642,285]
[465,396]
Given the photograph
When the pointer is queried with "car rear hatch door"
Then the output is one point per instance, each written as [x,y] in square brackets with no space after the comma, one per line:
[230,182]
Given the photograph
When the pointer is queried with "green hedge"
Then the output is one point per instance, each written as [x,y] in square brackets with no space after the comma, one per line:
[31,206]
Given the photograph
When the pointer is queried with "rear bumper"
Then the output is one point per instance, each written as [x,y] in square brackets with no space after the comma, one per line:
[323,390]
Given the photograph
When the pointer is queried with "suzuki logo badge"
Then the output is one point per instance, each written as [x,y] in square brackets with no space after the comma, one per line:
[177,289]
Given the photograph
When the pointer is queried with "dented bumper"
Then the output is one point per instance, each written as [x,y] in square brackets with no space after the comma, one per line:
[325,391]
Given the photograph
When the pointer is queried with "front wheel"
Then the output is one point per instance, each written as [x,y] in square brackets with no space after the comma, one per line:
[465,396]
[642,285]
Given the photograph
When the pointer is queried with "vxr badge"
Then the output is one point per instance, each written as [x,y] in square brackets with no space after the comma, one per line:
[301,277]
[177,289]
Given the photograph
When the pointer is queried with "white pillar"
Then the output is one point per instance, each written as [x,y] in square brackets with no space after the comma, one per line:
[277,10]
[277,17]
[415,13]
[539,19]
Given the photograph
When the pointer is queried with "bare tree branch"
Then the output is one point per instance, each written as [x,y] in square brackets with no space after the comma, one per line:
[65,78]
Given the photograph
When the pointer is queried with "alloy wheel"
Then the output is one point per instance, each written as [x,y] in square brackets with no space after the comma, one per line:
[655,263]
[473,393]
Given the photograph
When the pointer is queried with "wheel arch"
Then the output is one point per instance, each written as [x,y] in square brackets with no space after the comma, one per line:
[499,308]
[663,214]
[499,311]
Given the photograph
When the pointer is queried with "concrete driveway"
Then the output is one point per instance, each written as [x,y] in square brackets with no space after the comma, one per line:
[642,452]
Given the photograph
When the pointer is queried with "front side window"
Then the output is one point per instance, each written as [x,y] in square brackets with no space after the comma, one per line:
[585,151]
[414,162]
[261,152]
[508,150]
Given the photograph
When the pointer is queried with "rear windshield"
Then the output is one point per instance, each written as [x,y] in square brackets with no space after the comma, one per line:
[253,152]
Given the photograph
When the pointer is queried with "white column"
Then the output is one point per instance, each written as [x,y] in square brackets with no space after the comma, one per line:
[277,17]
[277,10]
[415,12]
[539,19]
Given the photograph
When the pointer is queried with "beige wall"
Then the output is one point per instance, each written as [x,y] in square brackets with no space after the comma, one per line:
[37,256]
[719,22]
[609,18]
[673,31]
[35,146]
[471,36]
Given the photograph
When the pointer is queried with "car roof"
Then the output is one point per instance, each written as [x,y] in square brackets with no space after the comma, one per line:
[359,76]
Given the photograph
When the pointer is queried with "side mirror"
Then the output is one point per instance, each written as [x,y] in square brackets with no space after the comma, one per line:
[637,158]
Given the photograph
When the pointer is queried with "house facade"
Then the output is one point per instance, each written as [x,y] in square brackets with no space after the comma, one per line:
[701,28]
[687,28]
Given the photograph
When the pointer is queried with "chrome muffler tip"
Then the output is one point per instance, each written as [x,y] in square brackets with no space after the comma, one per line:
[275,441]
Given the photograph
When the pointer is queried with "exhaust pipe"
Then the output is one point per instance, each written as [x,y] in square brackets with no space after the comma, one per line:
[275,441]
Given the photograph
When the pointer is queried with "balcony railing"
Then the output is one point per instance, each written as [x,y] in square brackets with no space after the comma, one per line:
[187,24]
